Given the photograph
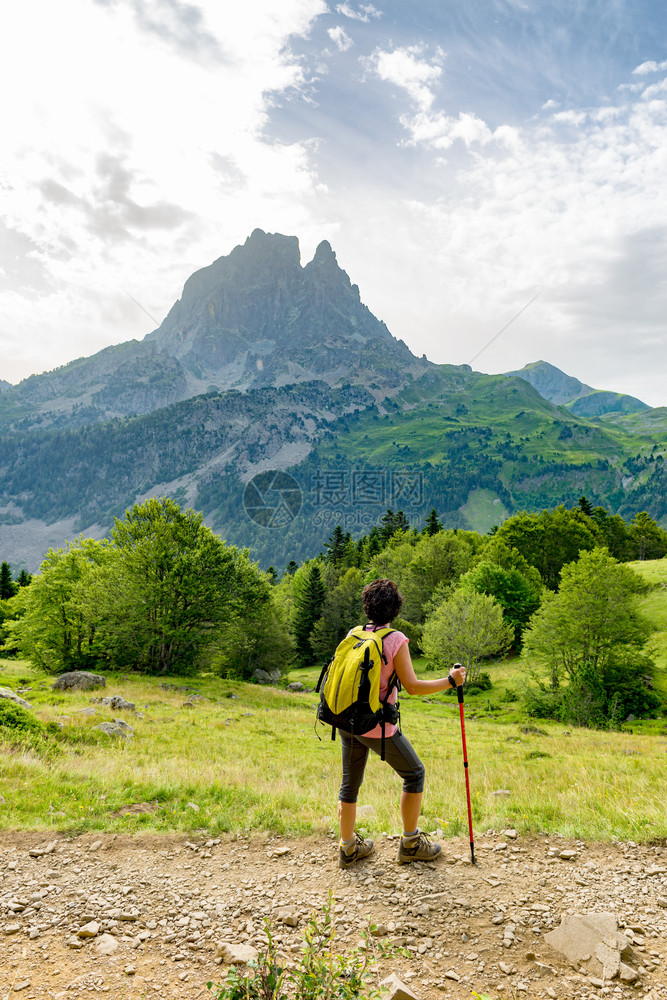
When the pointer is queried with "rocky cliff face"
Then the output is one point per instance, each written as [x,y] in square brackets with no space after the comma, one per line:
[257,317]
[252,319]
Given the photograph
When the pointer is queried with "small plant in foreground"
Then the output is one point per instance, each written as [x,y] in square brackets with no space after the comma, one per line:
[321,973]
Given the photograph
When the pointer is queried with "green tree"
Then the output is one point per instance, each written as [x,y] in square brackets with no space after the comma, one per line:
[465,628]
[585,506]
[591,632]
[514,593]
[24,578]
[371,544]
[614,534]
[166,594]
[341,610]
[649,540]
[254,632]
[308,603]
[433,524]
[495,550]
[548,540]
[54,626]
[7,585]
[391,523]
[392,561]
[339,547]
[436,561]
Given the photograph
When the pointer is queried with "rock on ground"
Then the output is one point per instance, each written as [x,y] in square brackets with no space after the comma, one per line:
[11,696]
[79,680]
[163,906]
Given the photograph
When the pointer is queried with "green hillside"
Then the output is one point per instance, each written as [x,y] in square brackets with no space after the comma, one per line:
[654,606]
[475,447]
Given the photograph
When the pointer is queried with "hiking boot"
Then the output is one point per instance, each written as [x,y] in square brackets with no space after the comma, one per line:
[418,848]
[361,849]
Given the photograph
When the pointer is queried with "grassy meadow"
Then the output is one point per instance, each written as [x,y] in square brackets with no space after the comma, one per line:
[217,756]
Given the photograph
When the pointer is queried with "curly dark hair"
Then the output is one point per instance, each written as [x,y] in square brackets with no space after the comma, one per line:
[382,600]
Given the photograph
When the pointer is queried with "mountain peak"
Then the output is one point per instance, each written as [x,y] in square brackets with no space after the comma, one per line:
[261,247]
[251,319]
[257,317]
[324,252]
[552,383]
[565,390]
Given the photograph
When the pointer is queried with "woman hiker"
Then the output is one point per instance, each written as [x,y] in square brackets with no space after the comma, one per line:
[382,602]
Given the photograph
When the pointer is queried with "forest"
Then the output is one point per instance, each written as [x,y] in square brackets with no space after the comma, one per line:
[164,595]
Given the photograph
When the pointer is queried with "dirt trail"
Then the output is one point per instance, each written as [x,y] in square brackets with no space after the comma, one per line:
[160,905]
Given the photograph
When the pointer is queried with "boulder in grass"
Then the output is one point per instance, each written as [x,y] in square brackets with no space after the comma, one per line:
[260,676]
[79,680]
[11,696]
[117,728]
[117,702]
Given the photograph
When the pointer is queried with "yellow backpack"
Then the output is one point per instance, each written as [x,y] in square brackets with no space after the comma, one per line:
[349,685]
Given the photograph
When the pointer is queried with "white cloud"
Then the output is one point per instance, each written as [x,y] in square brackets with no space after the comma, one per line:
[405,68]
[138,150]
[340,38]
[655,90]
[418,77]
[650,67]
[571,117]
[440,131]
[575,207]
[141,150]
[365,12]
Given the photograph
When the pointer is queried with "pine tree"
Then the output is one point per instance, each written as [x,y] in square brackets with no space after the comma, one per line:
[24,578]
[335,546]
[7,585]
[585,507]
[291,568]
[387,526]
[391,523]
[433,525]
[308,603]
[401,522]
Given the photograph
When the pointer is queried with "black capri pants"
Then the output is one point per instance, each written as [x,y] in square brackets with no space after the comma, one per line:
[398,754]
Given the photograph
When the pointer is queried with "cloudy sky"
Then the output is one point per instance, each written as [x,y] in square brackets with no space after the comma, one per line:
[461,156]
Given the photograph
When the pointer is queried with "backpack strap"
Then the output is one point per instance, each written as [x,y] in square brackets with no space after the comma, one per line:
[322,673]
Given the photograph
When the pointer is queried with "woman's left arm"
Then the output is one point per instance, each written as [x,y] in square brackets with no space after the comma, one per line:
[415,685]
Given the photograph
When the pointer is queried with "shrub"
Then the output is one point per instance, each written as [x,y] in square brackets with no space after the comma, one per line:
[17,719]
[542,704]
[630,690]
[321,973]
[480,683]
[599,702]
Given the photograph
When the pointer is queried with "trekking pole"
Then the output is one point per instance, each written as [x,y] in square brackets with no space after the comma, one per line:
[459,695]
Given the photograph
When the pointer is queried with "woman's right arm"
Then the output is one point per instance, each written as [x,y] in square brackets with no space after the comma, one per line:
[415,685]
